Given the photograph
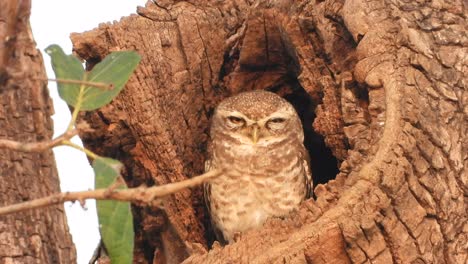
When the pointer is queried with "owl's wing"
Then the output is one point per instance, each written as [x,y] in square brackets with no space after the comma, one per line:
[207,185]
[208,167]
[308,179]
[207,194]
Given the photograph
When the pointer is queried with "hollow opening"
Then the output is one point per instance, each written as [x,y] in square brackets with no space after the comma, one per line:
[323,163]
[280,76]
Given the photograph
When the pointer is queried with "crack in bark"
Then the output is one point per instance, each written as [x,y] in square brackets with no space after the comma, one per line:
[432,139]
[344,241]
[182,48]
[205,52]
[388,242]
[364,252]
[267,51]
[379,253]
[418,199]
[408,229]
[427,215]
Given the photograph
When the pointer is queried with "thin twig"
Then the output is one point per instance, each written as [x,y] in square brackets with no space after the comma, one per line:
[138,194]
[37,146]
[88,152]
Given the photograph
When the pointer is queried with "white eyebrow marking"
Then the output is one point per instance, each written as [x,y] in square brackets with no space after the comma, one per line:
[278,114]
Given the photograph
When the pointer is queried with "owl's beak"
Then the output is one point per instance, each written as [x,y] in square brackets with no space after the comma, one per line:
[255,134]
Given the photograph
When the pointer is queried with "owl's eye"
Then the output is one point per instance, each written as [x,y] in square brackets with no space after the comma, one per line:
[235,120]
[277,120]
[276,123]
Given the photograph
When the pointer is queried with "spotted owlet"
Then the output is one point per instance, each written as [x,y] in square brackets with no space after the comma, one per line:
[257,139]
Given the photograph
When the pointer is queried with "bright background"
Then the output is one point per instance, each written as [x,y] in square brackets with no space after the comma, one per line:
[52,22]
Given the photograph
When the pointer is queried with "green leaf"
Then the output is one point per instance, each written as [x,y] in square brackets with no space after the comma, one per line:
[115,69]
[115,218]
[66,67]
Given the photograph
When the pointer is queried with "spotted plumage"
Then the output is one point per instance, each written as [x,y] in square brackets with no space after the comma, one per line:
[257,139]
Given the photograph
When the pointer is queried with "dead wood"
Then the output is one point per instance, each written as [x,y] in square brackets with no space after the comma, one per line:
[380,85]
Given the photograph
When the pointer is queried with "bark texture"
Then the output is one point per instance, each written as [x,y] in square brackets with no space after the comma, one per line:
[36,236]
[380,87]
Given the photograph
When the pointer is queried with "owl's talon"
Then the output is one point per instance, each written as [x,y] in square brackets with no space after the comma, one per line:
[195,248]
[237,236]
[216,245]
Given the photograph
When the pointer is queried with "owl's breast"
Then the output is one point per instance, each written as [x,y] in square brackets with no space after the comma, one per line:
[266,158]
[258,183]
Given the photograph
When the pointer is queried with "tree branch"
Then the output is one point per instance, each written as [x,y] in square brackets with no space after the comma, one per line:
[44,145]
[37,146]
[138,194]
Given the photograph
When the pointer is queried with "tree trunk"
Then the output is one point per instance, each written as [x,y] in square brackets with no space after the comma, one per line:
[36,236]
[380,87]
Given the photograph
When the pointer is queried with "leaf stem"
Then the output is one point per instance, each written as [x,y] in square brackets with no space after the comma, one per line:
[105,86]
[88,152]
[79,101]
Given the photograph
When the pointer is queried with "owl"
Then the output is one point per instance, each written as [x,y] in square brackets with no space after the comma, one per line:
[257,140]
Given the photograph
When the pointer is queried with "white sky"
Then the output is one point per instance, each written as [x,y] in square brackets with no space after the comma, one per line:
[52,22]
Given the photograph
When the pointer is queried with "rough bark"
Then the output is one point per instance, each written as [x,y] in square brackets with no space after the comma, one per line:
[36,236]
[381,83]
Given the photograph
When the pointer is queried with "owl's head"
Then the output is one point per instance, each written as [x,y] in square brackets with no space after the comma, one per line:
[256,118]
